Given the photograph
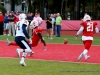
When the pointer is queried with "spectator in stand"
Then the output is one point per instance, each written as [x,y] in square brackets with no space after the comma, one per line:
[53,22]
[11,18]
[40,21]
[58,24]
[6,25]
[49,27]
[38,18]
[16,19]
[1,23]
[54,25]
[29,18]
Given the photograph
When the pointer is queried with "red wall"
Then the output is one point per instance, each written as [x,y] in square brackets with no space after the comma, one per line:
[70,24]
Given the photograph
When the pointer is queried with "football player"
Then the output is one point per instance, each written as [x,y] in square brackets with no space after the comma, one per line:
[88,28]
[36,37]
[21,33]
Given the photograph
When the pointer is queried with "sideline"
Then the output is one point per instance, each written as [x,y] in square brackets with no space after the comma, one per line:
[52,60]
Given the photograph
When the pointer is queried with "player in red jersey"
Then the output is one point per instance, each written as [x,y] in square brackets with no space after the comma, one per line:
[88,28]
[36,37]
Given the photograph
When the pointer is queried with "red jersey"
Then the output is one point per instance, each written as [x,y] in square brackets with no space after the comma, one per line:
[16,19]
[89,28]
[1,18]
[35,37]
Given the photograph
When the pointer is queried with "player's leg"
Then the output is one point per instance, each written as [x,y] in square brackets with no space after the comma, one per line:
[25,51]
[87,46]
[26,48]
[80,56]
[12,43]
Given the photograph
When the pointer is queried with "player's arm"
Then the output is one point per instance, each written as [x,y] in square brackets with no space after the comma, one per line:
[96,30]
[42,39]
[79,31]
[25,32]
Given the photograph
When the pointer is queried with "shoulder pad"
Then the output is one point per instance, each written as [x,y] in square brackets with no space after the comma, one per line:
[26,22]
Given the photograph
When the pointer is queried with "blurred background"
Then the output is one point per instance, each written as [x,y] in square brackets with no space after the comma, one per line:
[69,9]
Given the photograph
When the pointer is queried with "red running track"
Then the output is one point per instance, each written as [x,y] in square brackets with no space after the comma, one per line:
[57,52]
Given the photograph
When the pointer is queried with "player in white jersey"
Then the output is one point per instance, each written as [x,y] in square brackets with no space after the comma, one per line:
[21,33]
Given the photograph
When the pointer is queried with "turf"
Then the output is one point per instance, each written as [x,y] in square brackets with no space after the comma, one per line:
[10,66]
[71,39]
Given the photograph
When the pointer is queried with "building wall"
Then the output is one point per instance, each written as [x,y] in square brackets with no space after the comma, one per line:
[8,5]
[18,8]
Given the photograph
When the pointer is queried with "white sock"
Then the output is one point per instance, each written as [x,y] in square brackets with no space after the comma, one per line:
[85,53]
[24,54]
[21,50]
[22,59]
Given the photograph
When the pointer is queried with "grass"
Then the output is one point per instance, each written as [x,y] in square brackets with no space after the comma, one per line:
[71,39]
[39,67]
[10,66]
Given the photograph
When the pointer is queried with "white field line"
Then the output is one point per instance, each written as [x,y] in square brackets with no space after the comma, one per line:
[60,43]
[52,60]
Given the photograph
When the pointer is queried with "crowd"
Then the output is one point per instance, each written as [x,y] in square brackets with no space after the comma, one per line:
[9,19]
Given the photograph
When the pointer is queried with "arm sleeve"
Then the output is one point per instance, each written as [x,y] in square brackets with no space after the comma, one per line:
[96,30]
[80,30]
[25,31]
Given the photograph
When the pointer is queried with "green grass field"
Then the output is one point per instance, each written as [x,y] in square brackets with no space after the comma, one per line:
[10,66]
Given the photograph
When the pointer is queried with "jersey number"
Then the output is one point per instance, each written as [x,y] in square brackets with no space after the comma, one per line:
[89,26]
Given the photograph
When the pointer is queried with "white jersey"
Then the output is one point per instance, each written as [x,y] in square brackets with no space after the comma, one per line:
[19,24]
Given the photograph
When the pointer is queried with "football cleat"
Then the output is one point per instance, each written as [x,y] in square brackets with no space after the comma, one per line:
[80,57]
[8,42]
[18,53]
[51,38]
[45,48]
[87,57]
[22,63]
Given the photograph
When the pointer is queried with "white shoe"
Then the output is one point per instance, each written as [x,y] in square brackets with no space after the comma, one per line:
[22,63]
[9,35]
[87,57]
[80,57]
[51,38]
[18,53]
[8,42]
[4,34]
